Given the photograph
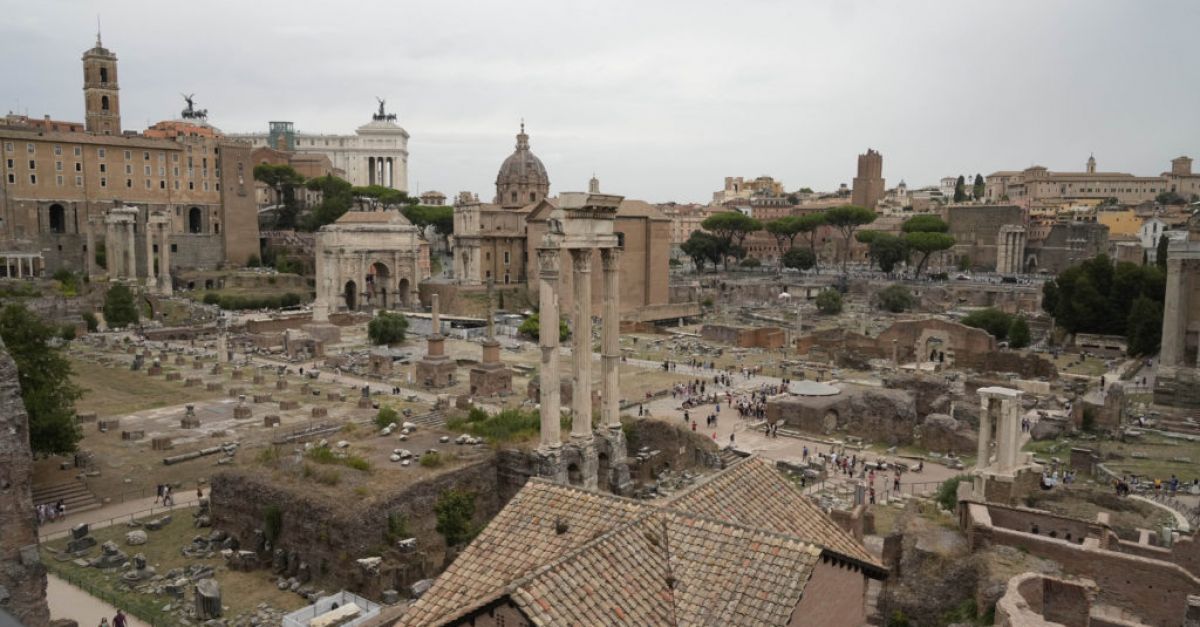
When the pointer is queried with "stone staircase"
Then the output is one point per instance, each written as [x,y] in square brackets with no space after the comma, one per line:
[74,494]
[728,457]
[431,420]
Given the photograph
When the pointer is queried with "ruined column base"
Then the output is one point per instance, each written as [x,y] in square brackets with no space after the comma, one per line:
[548,464]
[613,462]
[436,371]
[1177,387]
[491,380]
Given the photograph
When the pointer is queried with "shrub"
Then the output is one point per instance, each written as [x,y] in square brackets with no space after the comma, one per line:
[895,298]
[1018,333]
[829,301]
[992,320]
[387,328]
[947,493]
[397,527]
[253,262]
[212,298]
[67,333]
[324,476]
[119,309]
[455,509]
[531,327]
[751,262]
[431,460]
[325,455]
[385,417]
[92,322]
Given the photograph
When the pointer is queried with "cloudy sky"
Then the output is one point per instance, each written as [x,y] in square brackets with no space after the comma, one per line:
[661,99]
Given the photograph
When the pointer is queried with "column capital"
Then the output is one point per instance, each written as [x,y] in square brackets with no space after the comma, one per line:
[581,259]
[610,259]
[548,262]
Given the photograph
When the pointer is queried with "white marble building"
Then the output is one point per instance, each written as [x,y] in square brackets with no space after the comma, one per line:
[376,154]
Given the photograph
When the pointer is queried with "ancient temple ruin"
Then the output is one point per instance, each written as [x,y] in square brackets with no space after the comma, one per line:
[1178,378]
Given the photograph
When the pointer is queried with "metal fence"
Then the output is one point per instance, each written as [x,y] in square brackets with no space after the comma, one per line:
[143,607]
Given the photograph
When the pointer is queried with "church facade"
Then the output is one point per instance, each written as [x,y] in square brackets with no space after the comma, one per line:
[498,241]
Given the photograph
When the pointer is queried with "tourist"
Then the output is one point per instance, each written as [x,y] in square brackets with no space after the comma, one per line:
[119,619]
[693,425]
[731,442]
[158,492]
[805,452]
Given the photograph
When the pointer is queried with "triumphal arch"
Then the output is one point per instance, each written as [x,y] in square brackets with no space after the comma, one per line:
[369,260]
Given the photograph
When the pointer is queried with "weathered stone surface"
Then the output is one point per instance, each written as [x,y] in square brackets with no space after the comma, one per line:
[23,579]
[208,599]
[941,433]
[136,537]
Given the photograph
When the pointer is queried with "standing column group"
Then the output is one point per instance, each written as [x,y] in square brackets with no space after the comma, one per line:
[548,262]
[581,351]
[610,349]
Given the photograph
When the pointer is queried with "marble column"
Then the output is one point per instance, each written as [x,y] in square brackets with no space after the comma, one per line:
[370,170]
[581,350]
[164,259]
[1175,310]
[548,263]
[611,339]
[985,433]
[148,245]
[130,250]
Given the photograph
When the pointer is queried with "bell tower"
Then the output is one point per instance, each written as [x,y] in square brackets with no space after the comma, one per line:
[102,101]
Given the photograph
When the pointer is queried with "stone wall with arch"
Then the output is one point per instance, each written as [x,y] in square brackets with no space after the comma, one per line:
[367,261]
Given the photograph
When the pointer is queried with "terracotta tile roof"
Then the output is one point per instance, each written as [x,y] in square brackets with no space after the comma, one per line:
[521,538]
[753,493]
[567,556]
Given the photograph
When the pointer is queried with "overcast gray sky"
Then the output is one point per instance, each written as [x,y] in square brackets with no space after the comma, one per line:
[661,99]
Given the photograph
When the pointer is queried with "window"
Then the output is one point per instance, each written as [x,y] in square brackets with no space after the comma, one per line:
[12,178]
[78,151]
[206,186]
[101,153]
[103,168]
[147,169]
[176,185]
[506,258]
[176,170]
[103,182]
[79,181]
[128,155]
[104,103]
[175,159]
[162,184]
[58,180]
[146,155]
[33,179]
[58,219]
[174,248]
[162,171]
[128,169]
[103,74]
[29,148]
[8,146]
[78,167]
[191,185]
[58,149]
[32,164]
[58,166]
[11,164]
[148,185]
[129,183]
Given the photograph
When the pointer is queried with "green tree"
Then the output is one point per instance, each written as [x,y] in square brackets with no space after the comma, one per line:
[926,234]
[884,249]
[119,308]
[387,327]
[455,510]
[44,375]
[964,263]
[441,218]
[992,320]
[91,321]
[1018,333]
[283,179]
[1096,297]
[960,192]
[784,230]
[1170,198]
[702,247]
[829,301]
[1143,334]
[336,199]
[846,220]
[386,417]
[895,298]
[979,188]
[799,259]
[531,328]
[731,228]
[808,225]
[1160,252]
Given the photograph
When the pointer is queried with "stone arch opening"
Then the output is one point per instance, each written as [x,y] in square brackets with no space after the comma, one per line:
[378,278]
[104,103]
[574,474]
[58,219]
[1031,264]
[350,293]
[195,220]
[103,74]
[402,292]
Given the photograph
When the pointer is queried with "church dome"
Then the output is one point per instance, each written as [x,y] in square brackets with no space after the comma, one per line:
[522,177]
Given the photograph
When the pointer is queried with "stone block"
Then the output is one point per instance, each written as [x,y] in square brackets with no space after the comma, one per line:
[236,391]
[270,420]
[263,398]
[86,417]
[320,412]
[288,405]
[192,382]
[242,412]
[108,424]
[80,531]
[136,537]
[180,360]
[154,371]
[259,379]
[281,384]
[174,376]
[133,435]
[217,368]
[213,386]
[161,444]
[236,375]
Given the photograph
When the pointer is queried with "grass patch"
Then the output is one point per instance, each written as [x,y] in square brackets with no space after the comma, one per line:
[323,476]
[325,455]
[510,425]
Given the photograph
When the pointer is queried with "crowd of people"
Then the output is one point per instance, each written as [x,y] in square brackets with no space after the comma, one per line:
[50,512]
